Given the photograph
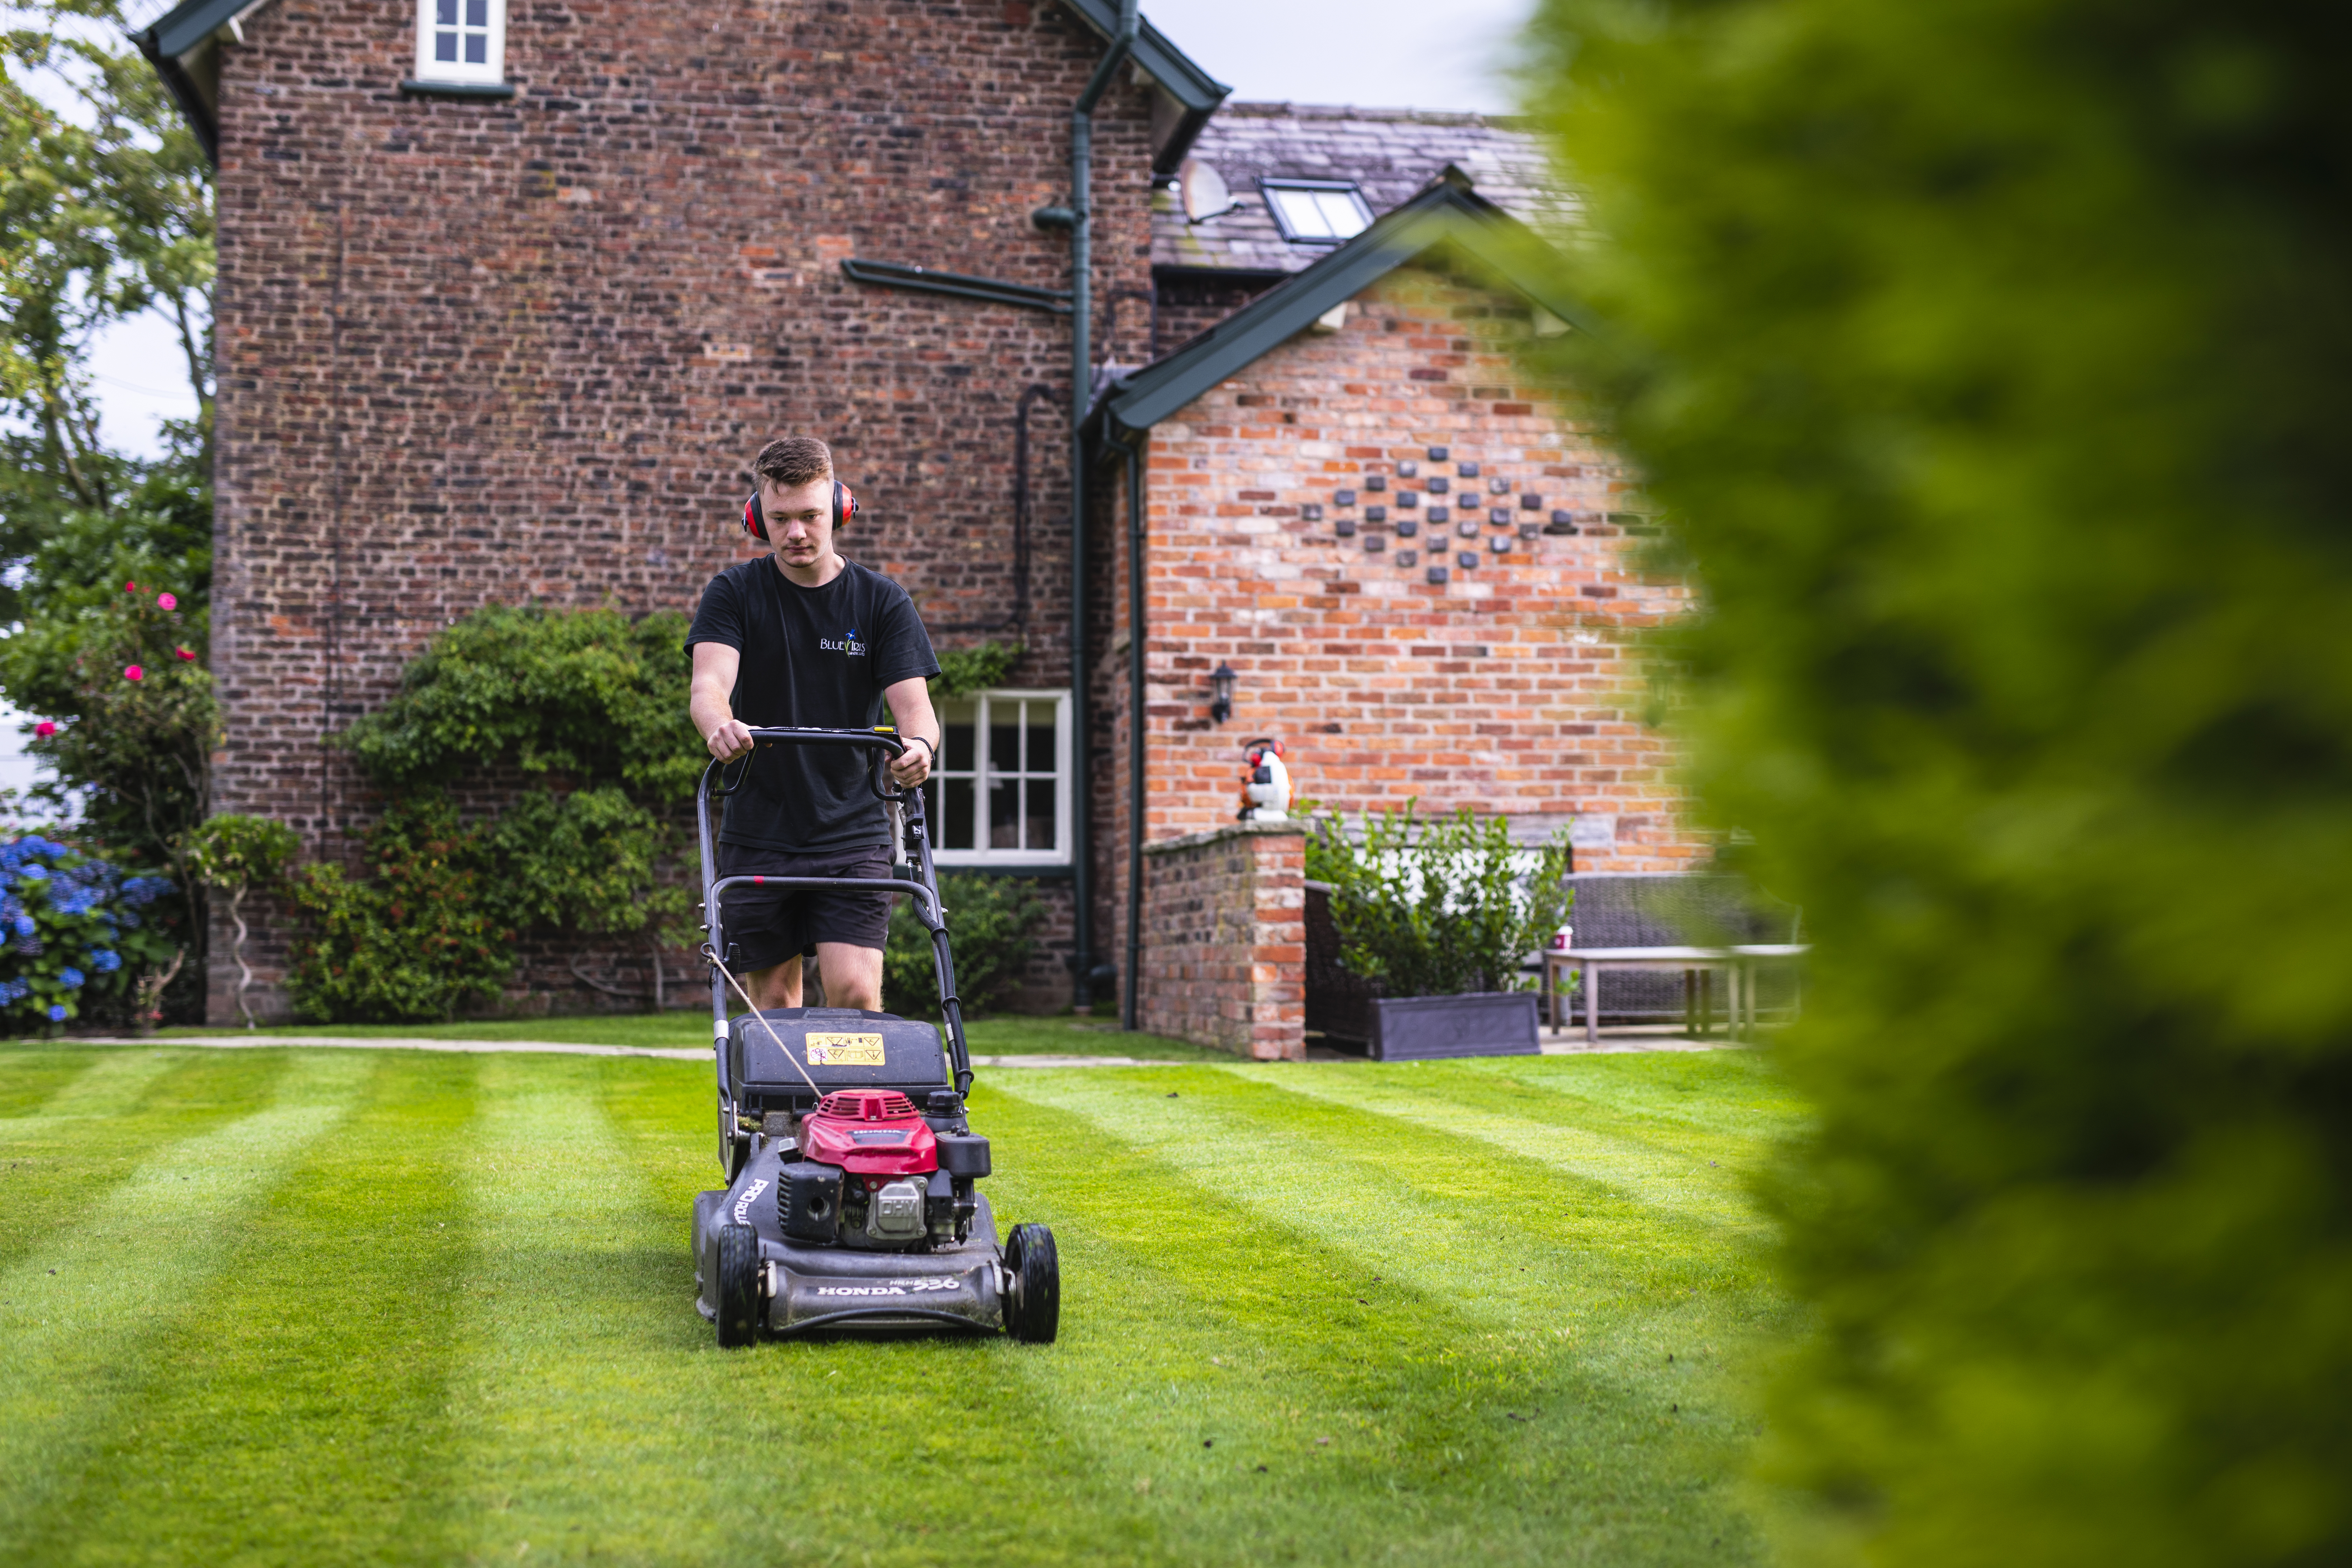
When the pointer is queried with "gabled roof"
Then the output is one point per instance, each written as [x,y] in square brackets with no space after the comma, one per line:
[183,44]
[1388,154]
[1188,94]
[1448,212]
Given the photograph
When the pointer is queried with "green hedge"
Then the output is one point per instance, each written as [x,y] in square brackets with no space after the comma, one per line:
[1983,353]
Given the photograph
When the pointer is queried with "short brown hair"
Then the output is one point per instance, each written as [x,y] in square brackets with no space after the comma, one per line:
[791,461]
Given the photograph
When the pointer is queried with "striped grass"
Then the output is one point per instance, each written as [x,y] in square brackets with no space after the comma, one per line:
[283,1306]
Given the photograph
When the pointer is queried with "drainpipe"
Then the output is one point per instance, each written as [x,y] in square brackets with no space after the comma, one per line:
[1080,218]
[1135,647]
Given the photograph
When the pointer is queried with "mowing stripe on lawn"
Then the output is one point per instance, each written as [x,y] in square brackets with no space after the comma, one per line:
[1199,1314]
[100,1128]
[75,1315]
[561,1418]
[1665,1089]
[1545,1126]
[1369,1182]
[298,1414]
[81,1085]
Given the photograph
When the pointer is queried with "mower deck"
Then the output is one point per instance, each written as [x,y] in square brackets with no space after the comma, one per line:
[847,1290]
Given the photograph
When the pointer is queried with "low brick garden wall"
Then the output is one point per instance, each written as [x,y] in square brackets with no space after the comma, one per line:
[1224,940]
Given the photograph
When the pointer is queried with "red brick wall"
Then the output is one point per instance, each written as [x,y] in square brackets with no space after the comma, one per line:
[1510,688]
[1224,951]
[478,352]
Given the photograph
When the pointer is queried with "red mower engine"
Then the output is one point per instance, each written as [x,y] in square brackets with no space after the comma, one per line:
[877,1172]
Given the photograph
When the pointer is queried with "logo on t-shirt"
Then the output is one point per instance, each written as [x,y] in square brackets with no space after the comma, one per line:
[848,645]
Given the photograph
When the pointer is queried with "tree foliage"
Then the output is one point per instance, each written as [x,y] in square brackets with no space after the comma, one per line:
[105,214]
[1984,354]
[1437,907]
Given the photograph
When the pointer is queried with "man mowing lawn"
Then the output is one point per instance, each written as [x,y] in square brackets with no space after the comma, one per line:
[804,637]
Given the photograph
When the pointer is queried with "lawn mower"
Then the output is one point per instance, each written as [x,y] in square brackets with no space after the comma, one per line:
[851,1203]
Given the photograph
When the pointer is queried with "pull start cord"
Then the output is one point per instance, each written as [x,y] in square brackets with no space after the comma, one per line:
[710,953]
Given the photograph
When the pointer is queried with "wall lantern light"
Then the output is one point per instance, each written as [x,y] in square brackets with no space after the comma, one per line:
[1221,692]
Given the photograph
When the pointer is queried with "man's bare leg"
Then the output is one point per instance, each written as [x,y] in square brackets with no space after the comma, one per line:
[853,975]
[778,985]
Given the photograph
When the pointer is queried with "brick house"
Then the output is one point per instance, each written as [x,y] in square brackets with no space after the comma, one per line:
[508,298]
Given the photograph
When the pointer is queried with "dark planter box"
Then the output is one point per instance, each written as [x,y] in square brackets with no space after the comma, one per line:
[1480,1024]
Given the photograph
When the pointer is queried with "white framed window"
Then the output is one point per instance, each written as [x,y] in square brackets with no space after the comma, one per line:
[1316,212]
[1001,794]
[461,41]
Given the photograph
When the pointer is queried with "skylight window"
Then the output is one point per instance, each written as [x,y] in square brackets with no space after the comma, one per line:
[1316,212]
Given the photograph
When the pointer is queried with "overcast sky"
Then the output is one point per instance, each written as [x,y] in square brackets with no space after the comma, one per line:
[1375,54]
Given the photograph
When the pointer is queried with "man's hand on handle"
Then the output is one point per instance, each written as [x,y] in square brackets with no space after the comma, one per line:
[913,765]
[729,740]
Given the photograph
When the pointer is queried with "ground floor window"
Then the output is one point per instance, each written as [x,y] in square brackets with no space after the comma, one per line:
[1001,795]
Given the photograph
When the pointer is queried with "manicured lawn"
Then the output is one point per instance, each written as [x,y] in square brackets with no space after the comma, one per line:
[1010,1034]
[287,1306]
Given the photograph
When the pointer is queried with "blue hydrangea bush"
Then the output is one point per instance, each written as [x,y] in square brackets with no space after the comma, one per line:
[76,939]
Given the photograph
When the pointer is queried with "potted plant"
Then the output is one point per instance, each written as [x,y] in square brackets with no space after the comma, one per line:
[1437,914]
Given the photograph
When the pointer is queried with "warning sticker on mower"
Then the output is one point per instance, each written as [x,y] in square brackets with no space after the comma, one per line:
[915,1287]
[845,1051]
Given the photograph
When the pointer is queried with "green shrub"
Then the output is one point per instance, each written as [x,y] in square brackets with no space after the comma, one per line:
[414,943]
[1437,907]
[588,705]
[239,856]
[1983,355]
[586,696]
[989,924]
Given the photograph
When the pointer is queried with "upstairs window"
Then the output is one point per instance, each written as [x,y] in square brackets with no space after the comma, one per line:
[461,41]
[1316,212]
[1001,794]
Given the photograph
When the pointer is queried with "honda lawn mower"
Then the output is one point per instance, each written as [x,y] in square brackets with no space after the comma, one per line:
[851,1203]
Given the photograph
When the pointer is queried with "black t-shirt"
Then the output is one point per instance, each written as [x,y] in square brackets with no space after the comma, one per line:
[811,657]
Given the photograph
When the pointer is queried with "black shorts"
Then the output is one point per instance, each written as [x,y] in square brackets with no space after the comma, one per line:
[765,926]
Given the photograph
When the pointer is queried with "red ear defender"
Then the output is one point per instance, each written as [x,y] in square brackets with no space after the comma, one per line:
[755,521]
[845,505]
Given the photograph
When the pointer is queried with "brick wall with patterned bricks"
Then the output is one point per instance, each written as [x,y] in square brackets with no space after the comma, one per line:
[486,352]
[1514,686]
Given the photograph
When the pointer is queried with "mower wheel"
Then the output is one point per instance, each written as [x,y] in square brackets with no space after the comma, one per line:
[1034,1315]
[739,1286]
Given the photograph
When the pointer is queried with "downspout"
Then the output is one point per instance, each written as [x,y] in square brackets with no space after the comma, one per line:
[1082,153]
[1131,982]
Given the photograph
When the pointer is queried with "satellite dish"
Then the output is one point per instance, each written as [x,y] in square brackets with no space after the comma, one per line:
[1202,191]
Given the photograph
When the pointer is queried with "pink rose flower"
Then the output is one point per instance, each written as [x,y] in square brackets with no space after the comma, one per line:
[130,587]
[167,601]
[45,728]
[135,673]
[183,653]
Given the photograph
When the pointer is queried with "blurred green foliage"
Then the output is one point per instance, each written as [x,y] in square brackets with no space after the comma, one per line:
[1437,906]
[1992,360]
[992,925]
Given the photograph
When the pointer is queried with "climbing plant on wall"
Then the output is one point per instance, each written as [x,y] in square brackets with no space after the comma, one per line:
[586,710]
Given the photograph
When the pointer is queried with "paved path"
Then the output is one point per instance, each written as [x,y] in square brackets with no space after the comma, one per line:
[551,1048]
[1564,1043]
